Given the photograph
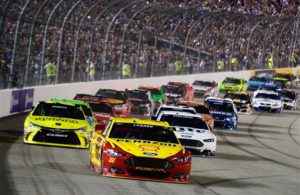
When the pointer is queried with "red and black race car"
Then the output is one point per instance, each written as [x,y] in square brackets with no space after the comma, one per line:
[117,99]
[101,107]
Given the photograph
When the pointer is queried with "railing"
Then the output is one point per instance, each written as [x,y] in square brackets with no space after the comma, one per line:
[148,35]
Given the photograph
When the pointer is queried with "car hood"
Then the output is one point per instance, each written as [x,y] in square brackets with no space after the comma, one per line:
[142,148]
[57,122]
[192,133]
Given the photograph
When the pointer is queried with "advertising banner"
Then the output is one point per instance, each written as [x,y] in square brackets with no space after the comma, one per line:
[21,100]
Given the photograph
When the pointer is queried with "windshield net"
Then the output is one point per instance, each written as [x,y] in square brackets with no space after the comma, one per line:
[111,94]
[221,107]
[58,110]
[142,132]
[232,81]
[203,83]
[268,96]
[101,107]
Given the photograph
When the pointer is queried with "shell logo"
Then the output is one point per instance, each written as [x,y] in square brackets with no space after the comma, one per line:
[149,148]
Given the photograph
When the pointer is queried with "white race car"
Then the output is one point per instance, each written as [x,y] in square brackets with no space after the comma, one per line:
[267,101]
[205,89]
[290,99]
[192,131]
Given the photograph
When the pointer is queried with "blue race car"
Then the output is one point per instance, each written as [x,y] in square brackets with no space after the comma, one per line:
[224,112]
[260,81]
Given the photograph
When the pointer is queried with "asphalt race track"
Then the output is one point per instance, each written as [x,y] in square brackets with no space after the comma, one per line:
[261,157]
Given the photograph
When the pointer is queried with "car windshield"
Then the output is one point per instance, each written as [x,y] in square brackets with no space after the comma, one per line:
[184,121]
[289,94]
[203,83]
[285,76]
[58,110]
[175,109]
[268,96]
[101,107]
[87,111]
[137,95]
[235,96]
[232,81]
[143,132]
[269,88]
[112,94]
[221,107]
[259,79]
[201,109]
[173,90]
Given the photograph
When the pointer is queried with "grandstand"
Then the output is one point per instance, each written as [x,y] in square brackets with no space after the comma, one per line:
[149,35]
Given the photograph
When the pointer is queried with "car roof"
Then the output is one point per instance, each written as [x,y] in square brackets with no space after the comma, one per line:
[190,103]
[69,101]
[139,121]
[180,113]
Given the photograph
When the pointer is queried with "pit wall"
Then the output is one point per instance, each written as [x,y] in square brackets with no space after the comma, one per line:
[13,101]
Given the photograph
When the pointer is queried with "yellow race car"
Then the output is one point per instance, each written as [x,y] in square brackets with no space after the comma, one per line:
[139,149]
[58,124]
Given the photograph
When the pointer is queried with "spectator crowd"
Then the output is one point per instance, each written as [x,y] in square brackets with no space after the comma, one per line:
[92,40]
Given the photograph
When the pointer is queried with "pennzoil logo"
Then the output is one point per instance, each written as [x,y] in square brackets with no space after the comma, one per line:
[149,148]
[150,153]
[149,169]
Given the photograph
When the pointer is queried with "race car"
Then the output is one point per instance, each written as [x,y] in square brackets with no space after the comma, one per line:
[204,89]
[267,101]
[100,107]
[139,149]
[117,99]
[173,94]
[290,99]
[201,109]
[58,124]
[139,102]
[157,94]
[241,100]
[257,81]
[232,84]
[179,108]
[285,79]
[224,112]
[192,131]
[188,91]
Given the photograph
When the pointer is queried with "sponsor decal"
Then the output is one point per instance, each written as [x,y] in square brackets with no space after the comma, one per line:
[112,160]
[21,100]
[150,153]
[151,148]
[186,136]
[56,119]
[56,135]
[149,169]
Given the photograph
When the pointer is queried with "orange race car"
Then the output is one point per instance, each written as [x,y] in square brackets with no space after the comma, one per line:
[202,109]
